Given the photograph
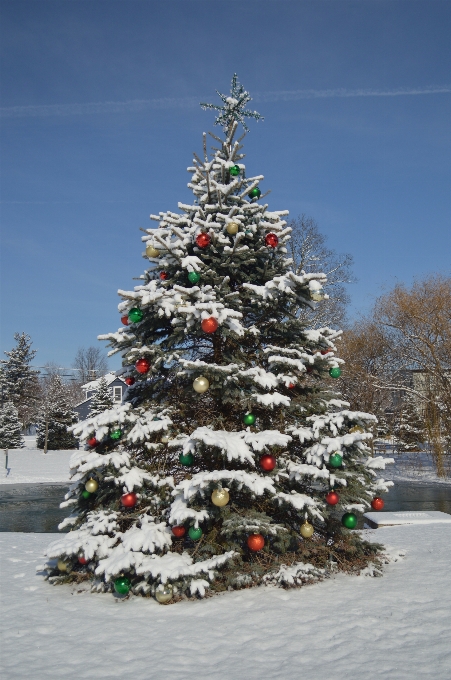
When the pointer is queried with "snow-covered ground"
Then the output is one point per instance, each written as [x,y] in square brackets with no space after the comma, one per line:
[347,628]
[30,465]
[417,467]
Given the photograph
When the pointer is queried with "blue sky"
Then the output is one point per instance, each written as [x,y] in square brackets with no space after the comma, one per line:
[99,122]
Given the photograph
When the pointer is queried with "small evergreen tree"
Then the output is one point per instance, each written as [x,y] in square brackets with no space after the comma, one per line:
[102,399]
[18,381]
[55,417]
[10,427]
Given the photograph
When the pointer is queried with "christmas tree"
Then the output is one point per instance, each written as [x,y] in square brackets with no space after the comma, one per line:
[10,427]
[231,462]
[102,399]
[55,417]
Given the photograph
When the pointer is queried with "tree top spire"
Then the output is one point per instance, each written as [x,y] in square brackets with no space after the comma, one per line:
[233,108]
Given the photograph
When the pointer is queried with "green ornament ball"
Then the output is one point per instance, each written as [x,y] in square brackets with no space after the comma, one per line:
[235,170]
[335,460]
[122,585]
[255,193]
[135,315]
[194,533]
[349,520]
[116,434]
[186,459]
[335,372]
[249,419]
[194,277]
[85,494]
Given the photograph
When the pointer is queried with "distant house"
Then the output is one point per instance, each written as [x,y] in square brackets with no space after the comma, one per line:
[117,388]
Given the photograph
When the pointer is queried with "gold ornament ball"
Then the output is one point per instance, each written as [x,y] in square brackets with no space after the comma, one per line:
[317,295]
[201,384]
[164,439]
[164,593]
[220,497]
[307,530]
[232,228]
[91,485]
[152,252]
[62,565]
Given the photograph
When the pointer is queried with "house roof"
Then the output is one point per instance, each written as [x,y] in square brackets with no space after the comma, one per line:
[109,377]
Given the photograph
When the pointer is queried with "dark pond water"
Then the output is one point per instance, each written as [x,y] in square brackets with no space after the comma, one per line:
[35,507]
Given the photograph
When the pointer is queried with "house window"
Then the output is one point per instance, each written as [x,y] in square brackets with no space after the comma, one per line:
[117,393]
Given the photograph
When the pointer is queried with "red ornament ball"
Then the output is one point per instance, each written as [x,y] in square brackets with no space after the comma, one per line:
[163,276]
[82,560]
[255,542]
[129,381]
[268,462]
[203,240]
[92,442]
[291,386]
[326,351]
[377,503]
[142,366]
[124,320]
[332,498]
[178,531]
[271,240]
[129,500]
[209,325]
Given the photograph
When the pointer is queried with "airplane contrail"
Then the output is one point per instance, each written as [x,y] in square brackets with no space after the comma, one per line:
[139,105]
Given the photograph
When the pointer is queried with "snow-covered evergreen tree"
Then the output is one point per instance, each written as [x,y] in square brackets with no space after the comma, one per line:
[10,427]
[102,399]
[56,415]
[231,462]
[18,380]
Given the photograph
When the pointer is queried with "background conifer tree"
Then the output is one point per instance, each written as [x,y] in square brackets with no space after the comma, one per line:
[231,462]
[56,415]
[10,427]
[18,380]
[102,399]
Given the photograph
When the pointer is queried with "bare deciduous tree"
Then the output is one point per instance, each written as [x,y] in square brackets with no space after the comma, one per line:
[90,363]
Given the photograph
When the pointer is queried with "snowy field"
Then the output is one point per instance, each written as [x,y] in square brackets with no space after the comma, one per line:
[30,465]
[418,467]
[349,628]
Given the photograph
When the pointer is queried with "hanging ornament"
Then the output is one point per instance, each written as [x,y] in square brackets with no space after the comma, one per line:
[122,585]
[255,542]
[135,315]
[249,418]
[201,384]
[235,170]
[116,434]
[124,320]
[92,442]
[306,529]
[164,439]
[255,193]
[82,560]
[317,295]
[164,593]
[232,228]
[85,494]
[220,497]
[356,428]
[63,565]
[129,381]
[129,500]
[335,460]
[326,351]
[271,240]
[193,277]
[377,503]
[349,520]
[195,533]
[151,251]
[179,532]
[163,276]
[203,240]
[92,485]
[335,372]
[291,386]
[186,459]
[332,498]
[142,366]
[209,325]
[267,462]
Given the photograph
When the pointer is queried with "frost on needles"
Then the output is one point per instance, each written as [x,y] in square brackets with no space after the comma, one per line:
[215,470]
